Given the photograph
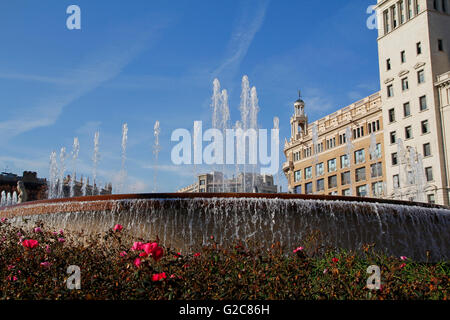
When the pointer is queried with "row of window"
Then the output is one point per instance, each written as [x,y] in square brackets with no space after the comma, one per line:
[426,153]
[345,163]
[424,127]
[407,109]
[411,180]
[440,5]
[405,83]
[361,191]
[440,47]
[373,126]
[399,13]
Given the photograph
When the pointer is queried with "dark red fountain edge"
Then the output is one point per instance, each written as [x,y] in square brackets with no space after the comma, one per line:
[144,196]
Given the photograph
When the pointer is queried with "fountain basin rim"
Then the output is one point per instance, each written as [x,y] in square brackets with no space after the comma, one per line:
[284,196]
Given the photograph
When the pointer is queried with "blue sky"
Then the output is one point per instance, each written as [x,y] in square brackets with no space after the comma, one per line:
[142,61]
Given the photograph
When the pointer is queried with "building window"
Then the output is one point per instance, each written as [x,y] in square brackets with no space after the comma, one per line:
[309,188]
[444,6]
[420,76]
[426,150]
[406,110]
[332,182]
[298,189]
[319,169]
[429,174]
[308,173]
[332,165]
[408,132]
[419,48]
[391,115]
[346,192]
[345,178]
[377,189]
[394,17]
[388,64]
[423,103]
[424,126]
[403,56]
[401,7]
[376,170]
[393,137]
[386,19]
[390,90]
[431,199]
[361,191]
[320,185]
[396,181]
[435,4]
[360,174]
[405,84]
[394,158]
[440,45]
[377,152]
[298,176]
[202,182]
[345,162]
[360,156]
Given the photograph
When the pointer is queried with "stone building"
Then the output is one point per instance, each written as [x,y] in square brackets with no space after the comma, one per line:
[340,154]
[36,187]
[214,182]
[413,50]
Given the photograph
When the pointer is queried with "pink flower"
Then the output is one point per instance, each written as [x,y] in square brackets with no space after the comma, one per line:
[157,253]
[137,262]
[118,228]
[46,264]
[143,254]
[172,276]
[298,249]
[14,278]
[136,246]
[61,232]
[149,247]
[4,220]
[335,260]
[325,271]
[37,230]
[61,240]
[159,276]
[197,254]
[403,258]
[123,254]
[11,267]
[47,249]
[402,265]
[30,244]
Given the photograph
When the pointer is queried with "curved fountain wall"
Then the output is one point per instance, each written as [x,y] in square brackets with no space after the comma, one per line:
[187,221]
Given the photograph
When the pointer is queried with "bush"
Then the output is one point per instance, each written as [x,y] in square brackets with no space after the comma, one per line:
[114,265]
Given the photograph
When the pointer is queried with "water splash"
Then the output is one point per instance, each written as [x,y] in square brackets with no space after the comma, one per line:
[156,150]
[62,169]
[95,161]
[3,199]
[53,177]
[75,152]
[349,153]
[123,172]
[14,198]
[245,110]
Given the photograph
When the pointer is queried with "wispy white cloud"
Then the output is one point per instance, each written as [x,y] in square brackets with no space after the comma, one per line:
[98,69]
[242,36]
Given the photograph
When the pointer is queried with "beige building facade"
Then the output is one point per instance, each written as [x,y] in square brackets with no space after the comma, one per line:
[413,48]
[341,154]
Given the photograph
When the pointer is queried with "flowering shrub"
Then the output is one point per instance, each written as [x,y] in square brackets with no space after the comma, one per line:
[114,265]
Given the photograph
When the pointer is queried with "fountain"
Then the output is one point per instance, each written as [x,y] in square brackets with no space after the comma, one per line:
[62,168]
[75,151]
[156,150]
[123,173]
[186,221]
[95,160]
[349,151]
